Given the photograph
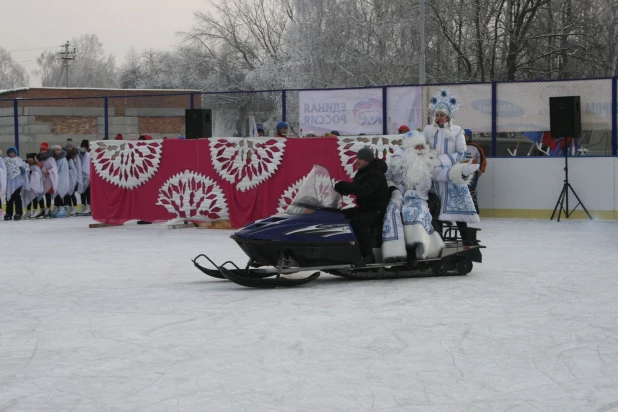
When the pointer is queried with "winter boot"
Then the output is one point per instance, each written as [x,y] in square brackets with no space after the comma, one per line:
[8,217]
[86,210]
[27,215]
[47,214]
[411,251]
[72,210]
[17,217]
[466,238]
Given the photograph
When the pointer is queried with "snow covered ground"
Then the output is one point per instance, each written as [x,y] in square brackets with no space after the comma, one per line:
[117,319]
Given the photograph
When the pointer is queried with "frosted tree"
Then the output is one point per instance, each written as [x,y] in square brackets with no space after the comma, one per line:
[275,44]
[12,74]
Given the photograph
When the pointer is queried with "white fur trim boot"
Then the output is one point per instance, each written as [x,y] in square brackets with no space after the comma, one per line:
[427,246]
[394,251]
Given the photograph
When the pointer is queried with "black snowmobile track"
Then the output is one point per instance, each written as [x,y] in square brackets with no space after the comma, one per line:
[252,282]
[388,273]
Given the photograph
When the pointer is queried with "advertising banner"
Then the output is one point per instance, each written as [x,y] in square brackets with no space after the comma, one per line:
[525,106]
[474,105]
[350,112]
[404,106]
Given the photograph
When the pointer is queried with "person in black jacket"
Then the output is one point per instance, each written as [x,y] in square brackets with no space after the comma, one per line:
[372,197]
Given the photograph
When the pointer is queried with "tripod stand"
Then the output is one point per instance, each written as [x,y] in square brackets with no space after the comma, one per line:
[564,195]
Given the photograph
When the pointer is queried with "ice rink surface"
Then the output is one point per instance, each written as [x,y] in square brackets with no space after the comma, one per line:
[117,319]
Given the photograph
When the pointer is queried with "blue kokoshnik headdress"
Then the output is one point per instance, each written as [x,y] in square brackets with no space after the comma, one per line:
[445,102]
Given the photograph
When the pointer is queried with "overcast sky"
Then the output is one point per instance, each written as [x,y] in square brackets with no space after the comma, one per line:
[120,25]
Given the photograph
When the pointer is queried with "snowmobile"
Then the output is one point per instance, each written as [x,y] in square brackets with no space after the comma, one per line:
[313,235]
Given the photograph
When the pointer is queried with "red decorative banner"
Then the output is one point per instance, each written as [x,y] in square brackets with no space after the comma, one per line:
[236,179]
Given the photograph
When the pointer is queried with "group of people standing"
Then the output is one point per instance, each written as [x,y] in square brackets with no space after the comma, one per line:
[432,164]
[55,173]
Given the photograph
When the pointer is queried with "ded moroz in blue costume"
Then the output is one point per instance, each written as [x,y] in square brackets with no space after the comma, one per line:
[407,232]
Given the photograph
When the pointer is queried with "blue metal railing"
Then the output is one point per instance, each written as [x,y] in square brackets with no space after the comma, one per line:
[22,102]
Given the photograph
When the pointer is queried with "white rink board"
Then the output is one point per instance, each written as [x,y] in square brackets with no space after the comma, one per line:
[536,182]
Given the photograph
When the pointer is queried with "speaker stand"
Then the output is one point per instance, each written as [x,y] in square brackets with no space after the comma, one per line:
[564,194]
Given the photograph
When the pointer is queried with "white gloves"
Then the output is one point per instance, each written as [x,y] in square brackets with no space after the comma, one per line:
[397,198]
[470,169]
[436,162]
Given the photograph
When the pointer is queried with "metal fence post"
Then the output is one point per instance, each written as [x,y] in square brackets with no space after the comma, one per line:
[283,105]
[384,112]
[106,117]
[494,119]
[614,114]
[16,122]
[191,104]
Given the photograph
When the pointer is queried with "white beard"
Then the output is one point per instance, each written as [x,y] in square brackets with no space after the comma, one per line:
[416,168]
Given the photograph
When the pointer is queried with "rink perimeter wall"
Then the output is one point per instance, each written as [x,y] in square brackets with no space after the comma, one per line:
[529,187]
[240,180]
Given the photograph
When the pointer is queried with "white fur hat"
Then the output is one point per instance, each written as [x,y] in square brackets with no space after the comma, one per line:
[414,138]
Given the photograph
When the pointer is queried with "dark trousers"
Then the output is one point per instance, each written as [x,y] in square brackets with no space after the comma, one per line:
[14,202]
[361,223]
[47,201]
[86,196]
[58,201]
[474,180]
[70,199]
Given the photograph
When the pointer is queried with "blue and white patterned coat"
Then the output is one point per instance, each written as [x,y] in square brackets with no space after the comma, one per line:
[407,221]
[450,147]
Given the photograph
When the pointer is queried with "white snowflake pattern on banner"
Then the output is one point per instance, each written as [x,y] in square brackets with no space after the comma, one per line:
[126,164]
[246,162]
[290,193]
[193,196]
[382,146]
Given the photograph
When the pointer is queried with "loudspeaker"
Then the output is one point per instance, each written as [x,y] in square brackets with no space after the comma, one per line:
[565,117]
[198,123]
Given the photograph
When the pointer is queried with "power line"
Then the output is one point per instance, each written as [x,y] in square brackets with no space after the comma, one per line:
[26,59]
[33,49]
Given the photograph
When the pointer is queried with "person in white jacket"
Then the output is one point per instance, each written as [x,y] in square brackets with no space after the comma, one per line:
[15,171]
[449,144]
[33,186]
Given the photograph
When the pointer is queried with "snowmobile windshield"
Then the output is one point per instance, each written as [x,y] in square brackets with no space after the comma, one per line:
[315,193]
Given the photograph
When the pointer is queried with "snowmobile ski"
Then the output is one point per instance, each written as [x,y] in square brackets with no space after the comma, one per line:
[252,282]
[250,273]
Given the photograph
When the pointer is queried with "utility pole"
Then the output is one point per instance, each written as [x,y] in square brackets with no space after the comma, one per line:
[421,60]
[66,56]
